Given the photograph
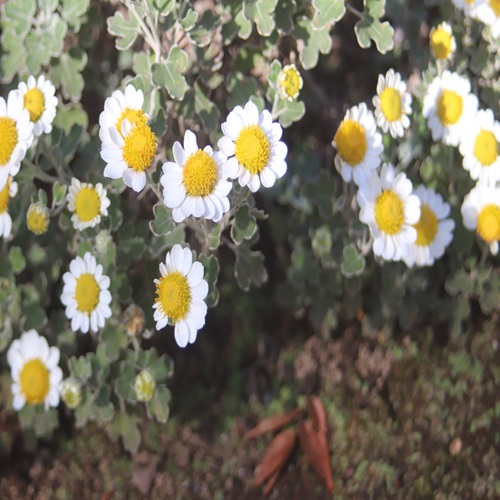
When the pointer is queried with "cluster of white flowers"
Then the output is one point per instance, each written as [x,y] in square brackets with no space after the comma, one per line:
[486,11]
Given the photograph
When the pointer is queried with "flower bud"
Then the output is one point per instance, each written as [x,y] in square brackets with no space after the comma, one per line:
[145,385]
[71,393]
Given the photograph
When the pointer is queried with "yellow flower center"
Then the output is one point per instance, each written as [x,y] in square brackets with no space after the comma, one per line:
[86,293]
[252,149]
[441,43]
[350,140]
[174,295]
[140,147]
[488,223]
[34,102]
[290,82]
[37,218]
[88,204]
[5,197]
[427,226]
[8,133]
[199,175]
[495,7]
[449,107]
[134,116]
[390,102]
[34,380]
[486,148]
[389,212]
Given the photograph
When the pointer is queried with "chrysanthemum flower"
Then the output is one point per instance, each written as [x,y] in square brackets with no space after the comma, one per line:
[289,82]
[6,194]
[390,210]
[392,104]
[252,141]
[442,42]
[129,153]
[36,376]
[41,103]
[86,295]
[480,148]
[481,213]
[488,11]
[180,294]
[122,106]
[358,145]
[38,218]
[469,7]
[434,229]
[16,132]
[87,202]
[449,107]
[195,183]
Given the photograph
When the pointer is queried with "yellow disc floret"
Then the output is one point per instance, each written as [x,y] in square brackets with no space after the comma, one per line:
[389,212]
[252,149]
[449,107]
[5,197]
[140,147]
[495,6]
[34,381]
[8,133]
[486,148]
[290,82]
[199,174]
[34,102]
[87,204]
[174,295]
[350,140]
[390,102]
[86,293]
[441,43]
[134,116]
[37,218]
[488,223]
[427,226]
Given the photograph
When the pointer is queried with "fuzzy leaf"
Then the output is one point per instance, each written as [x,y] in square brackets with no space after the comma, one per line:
[368,29]
[125,425]
[159,406]
[244,225]
[328,12]
[18,15]
[211,265]
[283,15]
[163,222]
[189,20]
[206,110]
[66,73]
[312,42]
[262,13]
[15,57]
[163,7]
[17,260]
[126,30]
[168,74]
[58,193]
[353,264]
[73,11]
[249,268]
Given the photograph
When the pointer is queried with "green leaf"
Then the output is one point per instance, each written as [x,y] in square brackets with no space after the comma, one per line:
[53,35]
[376,8]
[249,268]
[126,30]
[163,7]
[211,265]
[114,339]
[37,53]
[240,89]
[104,409]
[17,260]
[66,73]
[159,405]
[48,5]
[18,15]
[125,425]
[244,225]
[368,29]
[124,384]
[85,411]
[315,41]
[162,222]
[243,24]
[58,193]
[15,57]
[73,10]
[189,20]
[353,264]
[34,316]
[327,12]
[283,15]
[290,112]
[80,368]
[262,13]
[206,110]
[168,74]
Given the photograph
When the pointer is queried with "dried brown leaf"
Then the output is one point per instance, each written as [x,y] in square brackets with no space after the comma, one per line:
[317,414]
[315,446]
[273,423]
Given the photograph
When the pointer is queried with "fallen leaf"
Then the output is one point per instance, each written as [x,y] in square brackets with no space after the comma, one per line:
[273,423]
[276,456]
[315,446]
[317,414]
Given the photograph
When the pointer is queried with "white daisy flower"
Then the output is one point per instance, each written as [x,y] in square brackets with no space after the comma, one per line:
[129,153]
[480,148]
[36,376]
[252,141]
[442,42]
[85,294]
[16,131]
[289,82]
[181,291]
[41,103]
[469,7]
[389,209]
[120,106]
[434,229]
[358,145]
[195,183]
[481,213]
[87,202]
[488,11]
[8,192]
[449,107]
[38,218]
[392,104]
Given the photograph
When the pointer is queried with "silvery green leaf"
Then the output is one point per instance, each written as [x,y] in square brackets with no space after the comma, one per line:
[17,260]
[126,30]
[163,7]
[189,20]
[211,265]
[66,73]
[262,13]
[14,58]
[162,222]
[48,5]
[283,15]
[312,42]
[18,15]
[168,74]
[73,11]
[353,263]
[159,405]
[58,193]
[206,110]
[249,268]
[244,225]
[328,12]
[368,29]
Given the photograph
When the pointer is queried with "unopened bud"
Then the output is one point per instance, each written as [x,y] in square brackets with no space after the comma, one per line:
[71,393]
[145,385]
